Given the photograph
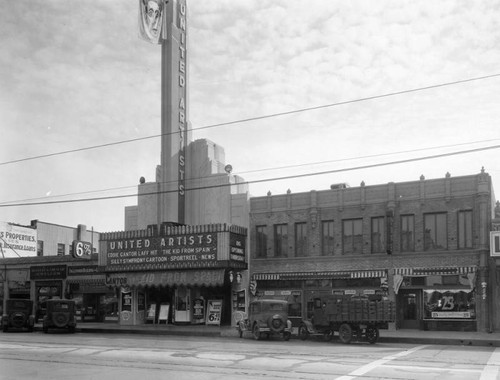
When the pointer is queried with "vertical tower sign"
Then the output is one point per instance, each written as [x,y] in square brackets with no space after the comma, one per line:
[182,121]
[165,22]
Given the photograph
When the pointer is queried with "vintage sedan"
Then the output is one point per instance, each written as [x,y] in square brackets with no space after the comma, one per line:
[60,314]
[18,314]
[267,317]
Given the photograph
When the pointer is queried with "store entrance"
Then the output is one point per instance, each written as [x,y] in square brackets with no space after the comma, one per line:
[409,308]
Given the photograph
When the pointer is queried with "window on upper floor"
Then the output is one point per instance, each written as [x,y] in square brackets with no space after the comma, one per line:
[465,229]
[60,249]
[261,242]
[407,233]
[435,232]
[39,248]
[280,240]
[327,242]
[352,236]
[378,234]
[301,239]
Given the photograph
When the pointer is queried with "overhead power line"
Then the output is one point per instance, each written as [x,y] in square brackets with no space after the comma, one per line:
[258,170]
[262,180]
[403,92]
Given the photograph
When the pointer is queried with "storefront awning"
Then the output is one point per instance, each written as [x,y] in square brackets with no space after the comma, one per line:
[328,275]
[441,271]
[87,281]
[214,277]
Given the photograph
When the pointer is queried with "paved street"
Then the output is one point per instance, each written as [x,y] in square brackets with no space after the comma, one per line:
[93,356]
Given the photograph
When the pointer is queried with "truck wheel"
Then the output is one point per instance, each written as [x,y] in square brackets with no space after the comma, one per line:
[328,335]
[372,334]
[345,333]
[256,332]
[303,333]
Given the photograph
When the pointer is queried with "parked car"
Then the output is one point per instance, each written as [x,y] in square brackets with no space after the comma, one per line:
[267,317]
[18,314]
[60,314]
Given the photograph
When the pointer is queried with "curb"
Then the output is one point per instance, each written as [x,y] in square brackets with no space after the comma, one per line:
[233,333]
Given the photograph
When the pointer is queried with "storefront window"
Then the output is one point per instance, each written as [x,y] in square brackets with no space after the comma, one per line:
[449,304]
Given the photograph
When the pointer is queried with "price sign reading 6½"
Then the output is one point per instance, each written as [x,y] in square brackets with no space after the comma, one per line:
[82,249]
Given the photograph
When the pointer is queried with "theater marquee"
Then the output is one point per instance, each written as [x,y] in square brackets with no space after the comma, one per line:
[162,252]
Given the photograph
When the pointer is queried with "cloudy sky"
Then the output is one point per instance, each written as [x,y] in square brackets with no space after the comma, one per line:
[75,75]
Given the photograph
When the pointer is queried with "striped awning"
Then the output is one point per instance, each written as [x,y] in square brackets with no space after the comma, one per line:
[328,275]
[440,271]
[213,277]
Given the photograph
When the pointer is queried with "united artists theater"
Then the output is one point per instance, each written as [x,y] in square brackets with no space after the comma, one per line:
[182,256]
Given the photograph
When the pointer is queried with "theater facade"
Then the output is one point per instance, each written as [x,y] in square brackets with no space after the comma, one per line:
[176,274]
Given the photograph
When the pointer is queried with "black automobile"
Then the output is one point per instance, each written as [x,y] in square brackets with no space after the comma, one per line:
[18,315]
[60,314]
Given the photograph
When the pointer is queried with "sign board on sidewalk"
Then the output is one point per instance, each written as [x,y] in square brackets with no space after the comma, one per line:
[164,309]
[214,311]
[151,315]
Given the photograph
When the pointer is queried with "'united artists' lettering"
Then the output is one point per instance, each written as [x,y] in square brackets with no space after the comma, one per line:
[182,100]
[162,242]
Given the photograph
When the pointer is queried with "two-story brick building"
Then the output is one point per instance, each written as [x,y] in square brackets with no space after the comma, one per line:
[423,244]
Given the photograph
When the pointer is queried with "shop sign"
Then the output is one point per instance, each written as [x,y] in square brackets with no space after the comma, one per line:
[451,314]
[162,252]
[237,247]
[48,272]
[126,301]
[495,243]
[82,249]
[199,310]
[17,241]
[214,312]
[81,270]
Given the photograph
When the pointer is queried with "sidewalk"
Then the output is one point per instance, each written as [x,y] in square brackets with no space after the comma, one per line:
[458,338]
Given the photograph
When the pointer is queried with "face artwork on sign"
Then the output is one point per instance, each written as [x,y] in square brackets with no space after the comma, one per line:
[151,13]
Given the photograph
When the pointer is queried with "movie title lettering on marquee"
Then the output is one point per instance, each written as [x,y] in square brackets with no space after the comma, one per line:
[162,252]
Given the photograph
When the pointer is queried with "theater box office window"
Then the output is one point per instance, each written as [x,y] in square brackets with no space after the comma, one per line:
[164,276]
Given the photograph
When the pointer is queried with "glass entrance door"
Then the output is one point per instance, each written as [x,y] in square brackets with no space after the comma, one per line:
[410,308]
[182,305]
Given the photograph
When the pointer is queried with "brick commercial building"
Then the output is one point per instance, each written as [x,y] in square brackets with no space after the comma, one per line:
[423,244]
